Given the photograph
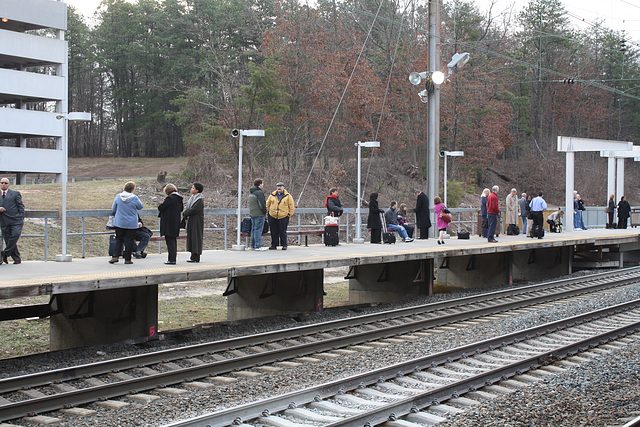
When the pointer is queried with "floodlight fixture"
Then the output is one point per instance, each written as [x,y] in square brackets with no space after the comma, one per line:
[416,78]
[458,60]
[437,77]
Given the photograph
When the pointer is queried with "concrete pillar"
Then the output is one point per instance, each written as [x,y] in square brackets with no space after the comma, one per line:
[542,263]
[375,283]
[105,316]
[275,294]
[473,271]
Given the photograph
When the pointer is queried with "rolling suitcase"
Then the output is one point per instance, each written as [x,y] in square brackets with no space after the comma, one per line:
[331,235]
[387,236]
[112,247]
[537,231]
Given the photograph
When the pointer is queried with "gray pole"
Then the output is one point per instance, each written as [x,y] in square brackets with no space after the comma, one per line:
[433,105]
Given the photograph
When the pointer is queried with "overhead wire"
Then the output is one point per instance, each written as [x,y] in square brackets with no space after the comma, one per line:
[364,44]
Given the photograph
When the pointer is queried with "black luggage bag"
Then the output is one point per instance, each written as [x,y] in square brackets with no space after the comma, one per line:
[112,247]
[537,231]
[331,235]
[463,234]
[387,236]
[513,230]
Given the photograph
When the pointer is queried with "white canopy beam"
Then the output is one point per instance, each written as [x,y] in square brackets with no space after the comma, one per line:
[571,145]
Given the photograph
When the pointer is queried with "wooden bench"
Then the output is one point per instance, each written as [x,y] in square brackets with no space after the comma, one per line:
[305,233]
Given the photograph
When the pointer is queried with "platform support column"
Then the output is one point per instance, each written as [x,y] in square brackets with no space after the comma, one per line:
[106,316]
[376,283]
[541,263]
[473,271]
[275,294]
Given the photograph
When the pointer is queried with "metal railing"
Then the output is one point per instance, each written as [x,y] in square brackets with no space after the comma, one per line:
[307,218]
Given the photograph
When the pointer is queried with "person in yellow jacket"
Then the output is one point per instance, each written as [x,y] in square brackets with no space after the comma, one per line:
[280,209]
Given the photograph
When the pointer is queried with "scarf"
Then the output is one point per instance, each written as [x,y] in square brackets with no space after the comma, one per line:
[194,198]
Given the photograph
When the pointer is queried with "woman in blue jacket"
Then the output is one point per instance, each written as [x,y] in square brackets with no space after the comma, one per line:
[125,211]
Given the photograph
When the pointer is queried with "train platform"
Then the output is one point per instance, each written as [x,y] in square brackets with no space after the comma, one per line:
[92,301]
[49,277]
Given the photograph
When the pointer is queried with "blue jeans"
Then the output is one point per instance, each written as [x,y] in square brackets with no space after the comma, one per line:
[578,220]
[493,222]
[257,225]
[524,224]
[401,231]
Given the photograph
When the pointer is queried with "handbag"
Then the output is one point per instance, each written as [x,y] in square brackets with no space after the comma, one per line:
[445,217]
[183,223]
[110,222]
[265,229]
[485,223]
[463,234]
[330,220]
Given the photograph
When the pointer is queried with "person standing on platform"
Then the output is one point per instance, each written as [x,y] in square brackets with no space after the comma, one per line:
[611,209]
[125,220]
[423,222]
[580,209]
[11,221]
[538,206]
[483,211]
[440,208]
[257,211]
[333,203]
[511,216]
[169,213]
[624,212]
[193,217]
[524,212]
[280,208]
[493,210]
[374,223]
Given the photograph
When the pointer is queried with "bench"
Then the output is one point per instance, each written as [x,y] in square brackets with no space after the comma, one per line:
[305,233]
[161,238]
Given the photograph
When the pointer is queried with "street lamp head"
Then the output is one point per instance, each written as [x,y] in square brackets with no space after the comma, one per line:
[437,77]
[424,96]
[369,144]
[458,60]
[416,78]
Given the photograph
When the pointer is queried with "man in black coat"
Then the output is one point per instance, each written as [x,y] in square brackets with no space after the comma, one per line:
[423,222]
[11,221]
[169,212]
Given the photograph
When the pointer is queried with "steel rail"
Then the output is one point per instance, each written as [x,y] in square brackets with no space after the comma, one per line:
[111,390]
[124,363]
[243,413]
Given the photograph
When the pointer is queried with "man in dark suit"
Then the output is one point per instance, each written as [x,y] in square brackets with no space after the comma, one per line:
[423,222]
[11,221]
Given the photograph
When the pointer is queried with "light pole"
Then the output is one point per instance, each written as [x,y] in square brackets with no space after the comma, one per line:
[68,117]
[446,154]
[359,144]
[240,133]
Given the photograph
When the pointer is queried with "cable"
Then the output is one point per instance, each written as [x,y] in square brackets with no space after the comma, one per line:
[339,103]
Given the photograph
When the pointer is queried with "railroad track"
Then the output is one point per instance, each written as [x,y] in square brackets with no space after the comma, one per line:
[416,392]
[51,390]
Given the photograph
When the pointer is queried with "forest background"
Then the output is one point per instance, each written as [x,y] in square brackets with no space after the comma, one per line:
[171,78]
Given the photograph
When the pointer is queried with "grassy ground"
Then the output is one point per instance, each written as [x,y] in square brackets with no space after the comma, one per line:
[22,337]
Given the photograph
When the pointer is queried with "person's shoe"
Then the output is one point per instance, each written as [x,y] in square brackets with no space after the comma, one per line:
[18,261]
[272,248]
[192,260]
[4,258]
[170,263]
[113,260]
[408,239]
[137,255]
[439,242]
[493,241]
[143,254]
[284,248]
[262,249]
[128,262]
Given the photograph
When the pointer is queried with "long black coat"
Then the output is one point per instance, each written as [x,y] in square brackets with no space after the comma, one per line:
[169,214]
[374,221]
[195,226]
[624,209]
[422,211]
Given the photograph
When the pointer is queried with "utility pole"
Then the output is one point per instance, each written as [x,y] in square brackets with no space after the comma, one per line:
[433,105]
